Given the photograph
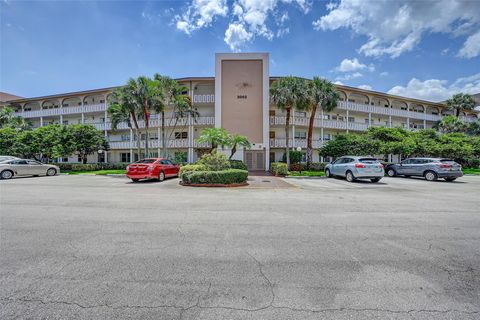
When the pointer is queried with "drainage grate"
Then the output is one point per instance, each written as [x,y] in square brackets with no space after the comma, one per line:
[266,181]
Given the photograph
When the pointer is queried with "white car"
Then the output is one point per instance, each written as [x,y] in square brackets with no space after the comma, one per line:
[25,167]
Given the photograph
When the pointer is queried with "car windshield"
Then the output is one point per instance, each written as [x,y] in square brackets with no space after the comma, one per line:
[146,161]
[446,160]
[368,160]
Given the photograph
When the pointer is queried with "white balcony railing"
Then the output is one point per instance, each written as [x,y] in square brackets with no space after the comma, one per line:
[172,143]
[101,107]
[318,123]
[294,143]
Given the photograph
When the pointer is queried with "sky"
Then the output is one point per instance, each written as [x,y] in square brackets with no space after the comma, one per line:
[421,49]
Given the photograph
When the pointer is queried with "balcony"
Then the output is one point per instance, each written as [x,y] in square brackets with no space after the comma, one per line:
[358,107]
[319,123]
[155,144]
[101,107]
[302,143]
[157,123]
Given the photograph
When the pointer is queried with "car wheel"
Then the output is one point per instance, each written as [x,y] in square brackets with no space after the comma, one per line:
[328,174]
[51,172]
[349,176]
[450,179]
[135,180]
[430,176]
[6,174]
[161,176]
[375,179]
[391,173]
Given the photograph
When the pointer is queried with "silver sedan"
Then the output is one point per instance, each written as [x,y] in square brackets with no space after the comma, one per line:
[353,168]
[25,167]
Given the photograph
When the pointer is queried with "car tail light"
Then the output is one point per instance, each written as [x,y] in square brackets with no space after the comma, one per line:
[380,165]
[442,165]
[359,165]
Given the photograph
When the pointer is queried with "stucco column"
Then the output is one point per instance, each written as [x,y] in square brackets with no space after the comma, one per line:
[158,141]
[347,121]
[369,119]
[293,130]
[41,121]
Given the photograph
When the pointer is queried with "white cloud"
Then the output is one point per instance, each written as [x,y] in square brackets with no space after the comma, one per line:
[384,73]
[348,65]
[437,90]
[236,36]
[200,14]
[471,47]
[365,87]
[350,76]
[339,83]
[396,27]
[249,18]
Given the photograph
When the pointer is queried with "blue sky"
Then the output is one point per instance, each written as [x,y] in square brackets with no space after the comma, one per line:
[428,50]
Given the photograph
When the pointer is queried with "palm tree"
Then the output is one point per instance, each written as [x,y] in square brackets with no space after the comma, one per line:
[215,137]
[236,140]
[6,115]
[323,95]
[450,124]
[172,95]
[123,107]
[289,93]
[459,102]
[474,128]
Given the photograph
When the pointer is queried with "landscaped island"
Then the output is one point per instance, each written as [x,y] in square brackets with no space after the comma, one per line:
[214,170]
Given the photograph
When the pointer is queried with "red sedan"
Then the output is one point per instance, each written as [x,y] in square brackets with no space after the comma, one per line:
[152,168]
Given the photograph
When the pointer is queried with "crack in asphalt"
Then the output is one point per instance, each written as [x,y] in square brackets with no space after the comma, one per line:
[197,305]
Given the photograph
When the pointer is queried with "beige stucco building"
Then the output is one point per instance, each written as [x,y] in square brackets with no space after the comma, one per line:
[237,99]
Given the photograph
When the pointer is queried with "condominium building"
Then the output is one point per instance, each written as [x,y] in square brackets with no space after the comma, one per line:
[237,99]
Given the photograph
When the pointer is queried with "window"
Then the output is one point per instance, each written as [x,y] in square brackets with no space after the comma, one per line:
[327,136]
[337,118]
[351,100]
[271,113]
[181,135]
[301,114]
[34,163]
[367,121]
[125,157]
[300,135]
[125,137]
[65,122]
[79,159]
[146,161]
[351,119]
[407,161]
[272,134]
[19,162]
[102,101]
[64,159]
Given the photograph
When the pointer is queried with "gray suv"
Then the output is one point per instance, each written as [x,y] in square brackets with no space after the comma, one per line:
[353,168]
[429,168]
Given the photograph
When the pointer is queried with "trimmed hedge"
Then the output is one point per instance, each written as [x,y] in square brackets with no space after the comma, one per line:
[65,167]
[238,164]
[191,167]
[228,176]
[314,166]
[278,168]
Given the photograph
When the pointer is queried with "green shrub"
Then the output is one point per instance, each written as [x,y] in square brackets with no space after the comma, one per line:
[65,167]
[191,167]
[295,156]
[238,164]
[228,176]
[214,161]
[278,168]
[314,166]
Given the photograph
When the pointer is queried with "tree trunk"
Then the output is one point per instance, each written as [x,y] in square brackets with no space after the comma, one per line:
[137,133]
[164,143]
[234,150]
[147,125]
[310,134]
[84,158]
[287,135]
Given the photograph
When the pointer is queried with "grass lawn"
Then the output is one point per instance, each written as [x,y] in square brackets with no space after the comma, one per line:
[471,171]
[306,173]
[98,172]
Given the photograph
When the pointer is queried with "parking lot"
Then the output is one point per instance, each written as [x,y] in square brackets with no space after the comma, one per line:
[100,247]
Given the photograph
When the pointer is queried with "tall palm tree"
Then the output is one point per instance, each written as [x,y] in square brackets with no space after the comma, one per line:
[450,124]
[6,115]
[460,102]
[289,93]
[173,96]
[323,95]
[123,107]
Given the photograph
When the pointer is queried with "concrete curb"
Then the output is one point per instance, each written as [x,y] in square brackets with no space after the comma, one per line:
[307,178]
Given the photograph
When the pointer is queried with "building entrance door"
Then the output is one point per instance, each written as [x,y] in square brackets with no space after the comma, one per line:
[255,160]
